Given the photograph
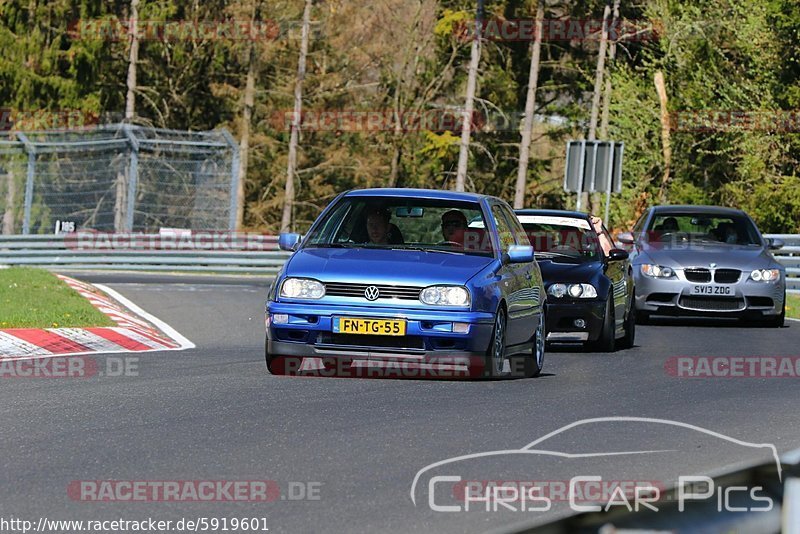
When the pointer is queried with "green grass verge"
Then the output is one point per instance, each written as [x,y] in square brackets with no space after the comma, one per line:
[34,298]
[793,306]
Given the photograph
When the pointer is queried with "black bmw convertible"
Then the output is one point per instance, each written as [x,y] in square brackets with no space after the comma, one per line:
[588,282]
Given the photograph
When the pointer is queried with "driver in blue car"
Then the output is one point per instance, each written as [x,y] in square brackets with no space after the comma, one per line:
[380,229]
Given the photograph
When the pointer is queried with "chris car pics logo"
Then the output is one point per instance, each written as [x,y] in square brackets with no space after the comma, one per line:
[506,481]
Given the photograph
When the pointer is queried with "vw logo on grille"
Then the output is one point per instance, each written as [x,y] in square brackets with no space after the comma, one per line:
[372,293]
[712,265]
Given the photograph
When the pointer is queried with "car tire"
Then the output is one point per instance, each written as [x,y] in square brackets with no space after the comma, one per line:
[530,365]
[496,352]
[276,365]
[607,340]
[778,320]
[630,327]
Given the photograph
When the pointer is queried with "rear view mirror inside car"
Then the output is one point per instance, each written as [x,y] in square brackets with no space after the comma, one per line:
[409,212]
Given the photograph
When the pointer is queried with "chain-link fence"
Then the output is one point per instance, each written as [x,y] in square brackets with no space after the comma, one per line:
[117,178]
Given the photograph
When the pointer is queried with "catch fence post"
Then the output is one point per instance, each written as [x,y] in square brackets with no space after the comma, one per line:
[31,150]
[234,205]
[133,176]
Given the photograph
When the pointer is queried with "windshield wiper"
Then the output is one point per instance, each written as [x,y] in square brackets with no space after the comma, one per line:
[548,254]
[423,249]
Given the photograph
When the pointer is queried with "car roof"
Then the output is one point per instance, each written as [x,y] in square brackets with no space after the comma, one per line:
[694,209]
[402,192]
[554,213]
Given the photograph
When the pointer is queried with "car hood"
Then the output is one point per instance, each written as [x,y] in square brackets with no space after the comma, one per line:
[382,266]
[558,271]
[702,255]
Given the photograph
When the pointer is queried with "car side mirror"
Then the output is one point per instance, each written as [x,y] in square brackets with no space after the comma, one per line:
[520,254]
[617,254]
[288,241]
[626,238]
[773,243]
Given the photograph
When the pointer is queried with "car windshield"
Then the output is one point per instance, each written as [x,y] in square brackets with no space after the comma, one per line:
[698,227]
[433,225]
[562,236]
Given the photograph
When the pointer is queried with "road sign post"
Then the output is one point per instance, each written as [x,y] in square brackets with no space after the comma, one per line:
[594,166]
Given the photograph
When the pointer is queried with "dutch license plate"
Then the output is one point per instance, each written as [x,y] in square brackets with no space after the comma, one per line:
[712,290]
[376,327]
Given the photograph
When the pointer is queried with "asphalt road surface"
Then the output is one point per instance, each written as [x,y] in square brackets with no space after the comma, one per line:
[344,452]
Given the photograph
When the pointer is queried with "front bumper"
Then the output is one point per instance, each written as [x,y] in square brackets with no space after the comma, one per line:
[309,334]
[673,297]
[561,317]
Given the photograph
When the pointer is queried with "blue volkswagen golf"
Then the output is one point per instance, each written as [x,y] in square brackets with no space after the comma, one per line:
[409,279]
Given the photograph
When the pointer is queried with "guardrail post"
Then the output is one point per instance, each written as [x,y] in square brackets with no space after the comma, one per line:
[234,178]
[133,176]
[31,150]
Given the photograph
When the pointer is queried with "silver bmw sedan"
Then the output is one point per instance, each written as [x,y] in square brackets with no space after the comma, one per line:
[705,261]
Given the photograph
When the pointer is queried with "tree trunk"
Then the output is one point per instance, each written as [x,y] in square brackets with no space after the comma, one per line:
[661,89]
[396,139]
[530,109]
[612,53]
[466,116]
[406,79]
[133,57]
[395,168]
[247,119]
[288,199]
[120,204]
[8,215]
[598,85]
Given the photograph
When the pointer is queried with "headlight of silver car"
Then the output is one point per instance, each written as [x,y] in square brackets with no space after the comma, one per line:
[445,296]
[765,275]
[657,271]
[576,291]
[302,288]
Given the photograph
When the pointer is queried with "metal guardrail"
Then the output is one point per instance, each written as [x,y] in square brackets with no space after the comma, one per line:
[244,253]
[789,257]
[198,252]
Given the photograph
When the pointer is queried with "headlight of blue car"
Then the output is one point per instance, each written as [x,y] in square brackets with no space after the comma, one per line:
[765,275]
[445,296]
[657,271]
[576,291]
[302,288]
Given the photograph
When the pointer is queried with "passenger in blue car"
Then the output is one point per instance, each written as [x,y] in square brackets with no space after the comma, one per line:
[454,223]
